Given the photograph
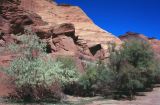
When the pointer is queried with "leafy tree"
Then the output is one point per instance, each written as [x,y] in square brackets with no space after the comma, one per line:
[132,66]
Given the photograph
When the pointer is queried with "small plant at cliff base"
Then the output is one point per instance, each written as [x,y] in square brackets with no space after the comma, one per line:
[29,44]
[132,66]
[38,77]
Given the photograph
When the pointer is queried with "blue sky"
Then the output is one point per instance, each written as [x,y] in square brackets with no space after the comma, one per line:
[120,16]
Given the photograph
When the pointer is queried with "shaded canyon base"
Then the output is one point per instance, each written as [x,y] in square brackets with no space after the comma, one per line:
[150,98]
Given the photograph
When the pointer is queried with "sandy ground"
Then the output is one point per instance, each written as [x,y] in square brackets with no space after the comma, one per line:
[150,98]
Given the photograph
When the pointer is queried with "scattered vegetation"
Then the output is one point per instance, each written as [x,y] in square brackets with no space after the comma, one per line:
[128,70]
[39,77]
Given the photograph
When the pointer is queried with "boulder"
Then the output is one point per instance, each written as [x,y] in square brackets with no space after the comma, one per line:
[64,43]
[66,28]
[44,32]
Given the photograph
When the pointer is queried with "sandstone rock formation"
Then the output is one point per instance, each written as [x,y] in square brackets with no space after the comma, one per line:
[133,35]
[86,31]
[14,19]
[52,22]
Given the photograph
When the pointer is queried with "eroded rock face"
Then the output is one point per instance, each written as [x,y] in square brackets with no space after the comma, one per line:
[85,29]
[156,46]
[68,25]
[16,18]
[61,38]
[13,20]
[66,29]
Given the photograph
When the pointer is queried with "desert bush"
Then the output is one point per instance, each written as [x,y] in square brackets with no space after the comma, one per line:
[83,86]
[89,79]
[138,53]
[35,73]
[68,62]
[28,42]
[141,56]
[132,66]
[40,71]
[93,81]
[37,93]
[32,74]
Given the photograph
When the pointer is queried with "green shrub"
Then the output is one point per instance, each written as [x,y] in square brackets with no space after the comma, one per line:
[29,43]
[156,71]
[68,62]
[40,71]
[141,56]
[84,85]
[132,66]
[35,73]
[89,79]
[138,53]
[96,80]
